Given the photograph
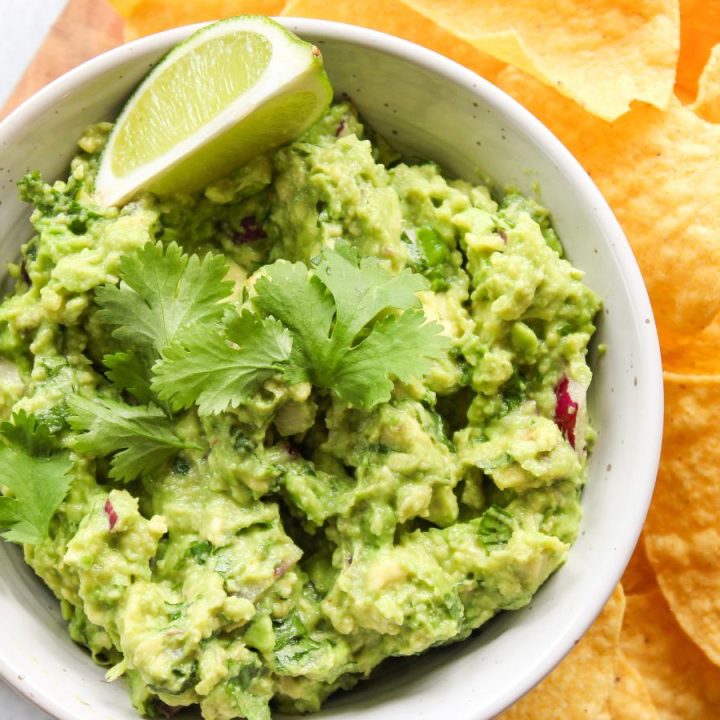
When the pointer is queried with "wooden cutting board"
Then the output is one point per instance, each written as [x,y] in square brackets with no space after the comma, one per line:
[86,28]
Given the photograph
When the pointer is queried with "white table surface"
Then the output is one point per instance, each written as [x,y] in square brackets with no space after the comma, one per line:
[23,26]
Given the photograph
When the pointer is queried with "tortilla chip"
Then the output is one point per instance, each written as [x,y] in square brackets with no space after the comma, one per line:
[660,173]
[580,685]
[682,532]
[707,103]
[125,7]
[629,697]
[394,17]
[699,32]
[144,17]
[600,53]
[698,356]
[681,681]
[639,575]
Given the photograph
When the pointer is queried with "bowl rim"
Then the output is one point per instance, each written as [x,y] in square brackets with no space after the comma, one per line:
[530,126]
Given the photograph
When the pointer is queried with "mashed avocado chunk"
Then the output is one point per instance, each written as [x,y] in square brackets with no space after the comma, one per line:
[329,410]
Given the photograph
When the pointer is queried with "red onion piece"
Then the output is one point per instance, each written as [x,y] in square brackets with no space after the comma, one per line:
[111,514]
[566,410]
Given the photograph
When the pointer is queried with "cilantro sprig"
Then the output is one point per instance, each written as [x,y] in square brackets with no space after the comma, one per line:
[162,291]
[224,366]
[347,335]
[347,326]
[142,437]
[37,476]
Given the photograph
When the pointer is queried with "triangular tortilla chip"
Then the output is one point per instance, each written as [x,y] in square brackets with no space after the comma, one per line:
[579,687]
[629,698]
[600,53]
[682,682]
[682,532]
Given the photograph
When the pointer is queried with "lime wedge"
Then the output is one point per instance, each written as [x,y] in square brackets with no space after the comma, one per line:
[231,91]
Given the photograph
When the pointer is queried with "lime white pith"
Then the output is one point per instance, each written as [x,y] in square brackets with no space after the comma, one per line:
[232,91]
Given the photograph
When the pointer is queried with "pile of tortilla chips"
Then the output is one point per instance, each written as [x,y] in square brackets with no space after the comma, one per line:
[632,87]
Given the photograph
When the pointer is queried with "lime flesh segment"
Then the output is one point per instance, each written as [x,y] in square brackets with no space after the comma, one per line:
[187,95]
[233,90]
[277,122]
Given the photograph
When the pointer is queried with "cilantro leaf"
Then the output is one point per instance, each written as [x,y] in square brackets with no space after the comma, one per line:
[495,527]
[142,434]
[129,371]
[401,347]
[161,291]
[293,644]
[221,367]
[362,293]
[28,432]
[302,303]
[36,475]
[345,334]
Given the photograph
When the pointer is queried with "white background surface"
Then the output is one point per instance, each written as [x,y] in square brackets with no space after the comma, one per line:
[23,26]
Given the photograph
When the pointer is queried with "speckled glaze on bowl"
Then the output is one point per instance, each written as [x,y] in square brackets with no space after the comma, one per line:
[429,106]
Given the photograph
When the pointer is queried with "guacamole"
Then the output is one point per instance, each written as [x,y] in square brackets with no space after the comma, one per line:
[268,548]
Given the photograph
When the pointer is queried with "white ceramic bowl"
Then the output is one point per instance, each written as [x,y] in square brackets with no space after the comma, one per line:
[428,106]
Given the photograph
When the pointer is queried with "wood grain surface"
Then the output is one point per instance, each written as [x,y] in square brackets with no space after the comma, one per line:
[86,28]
